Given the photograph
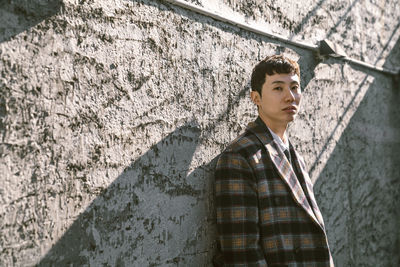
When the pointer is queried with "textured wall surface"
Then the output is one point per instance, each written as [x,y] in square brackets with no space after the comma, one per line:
[114,112]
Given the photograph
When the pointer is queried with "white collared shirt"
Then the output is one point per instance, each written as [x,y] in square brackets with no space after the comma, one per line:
[282,145]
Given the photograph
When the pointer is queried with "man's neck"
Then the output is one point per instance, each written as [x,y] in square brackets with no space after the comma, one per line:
[278,129]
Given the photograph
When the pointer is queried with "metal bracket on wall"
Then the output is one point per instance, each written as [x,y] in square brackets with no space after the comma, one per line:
[325,47]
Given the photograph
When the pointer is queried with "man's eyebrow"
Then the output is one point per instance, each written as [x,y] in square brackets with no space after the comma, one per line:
[278,82]
[296,82]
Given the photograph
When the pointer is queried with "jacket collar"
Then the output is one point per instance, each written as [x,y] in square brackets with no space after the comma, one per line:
[285,170]
[261,130]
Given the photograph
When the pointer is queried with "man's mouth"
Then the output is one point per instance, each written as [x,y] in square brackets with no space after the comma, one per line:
[291,108]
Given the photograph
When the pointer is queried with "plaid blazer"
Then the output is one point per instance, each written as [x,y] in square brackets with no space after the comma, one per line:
[264,217]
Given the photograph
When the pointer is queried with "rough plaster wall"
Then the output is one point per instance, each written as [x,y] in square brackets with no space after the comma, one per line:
[366,29]
[113,113]
[359,187]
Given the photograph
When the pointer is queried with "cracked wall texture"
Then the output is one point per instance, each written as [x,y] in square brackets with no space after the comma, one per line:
[114,112]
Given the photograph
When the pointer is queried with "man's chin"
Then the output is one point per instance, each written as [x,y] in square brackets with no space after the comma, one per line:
[291,118]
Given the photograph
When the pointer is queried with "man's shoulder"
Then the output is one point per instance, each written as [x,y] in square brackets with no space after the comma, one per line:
[245,144]
[237,155]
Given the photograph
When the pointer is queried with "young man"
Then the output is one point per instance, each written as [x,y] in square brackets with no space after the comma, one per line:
[266,209]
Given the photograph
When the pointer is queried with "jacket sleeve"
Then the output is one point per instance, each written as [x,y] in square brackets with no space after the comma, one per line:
[237,212]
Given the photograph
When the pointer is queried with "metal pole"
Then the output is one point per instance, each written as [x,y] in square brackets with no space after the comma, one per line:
[245,26]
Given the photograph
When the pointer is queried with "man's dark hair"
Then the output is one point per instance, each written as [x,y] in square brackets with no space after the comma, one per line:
[272,65]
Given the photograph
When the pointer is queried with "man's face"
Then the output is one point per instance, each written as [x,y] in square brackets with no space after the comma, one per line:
[279,102]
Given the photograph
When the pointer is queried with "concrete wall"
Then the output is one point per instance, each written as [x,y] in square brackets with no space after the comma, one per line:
[113,113]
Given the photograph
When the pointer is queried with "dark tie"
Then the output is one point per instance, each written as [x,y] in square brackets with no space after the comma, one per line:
[287,154]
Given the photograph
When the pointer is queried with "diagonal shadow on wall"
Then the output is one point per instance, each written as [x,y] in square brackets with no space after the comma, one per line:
[153,208]
[17,16]
[394,56]
[358,190]
[341,18]
[161,174]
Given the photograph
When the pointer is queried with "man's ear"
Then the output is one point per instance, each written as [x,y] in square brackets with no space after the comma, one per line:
[255,97]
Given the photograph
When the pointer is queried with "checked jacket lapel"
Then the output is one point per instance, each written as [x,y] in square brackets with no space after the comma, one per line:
[309,185]
[287,173]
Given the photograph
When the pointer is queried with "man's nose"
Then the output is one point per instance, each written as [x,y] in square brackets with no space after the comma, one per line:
[290,95]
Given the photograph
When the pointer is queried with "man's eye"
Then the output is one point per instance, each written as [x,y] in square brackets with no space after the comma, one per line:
[278,88]
[295,88]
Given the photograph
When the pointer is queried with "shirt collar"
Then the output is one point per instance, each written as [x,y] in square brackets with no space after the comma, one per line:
[283,145]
